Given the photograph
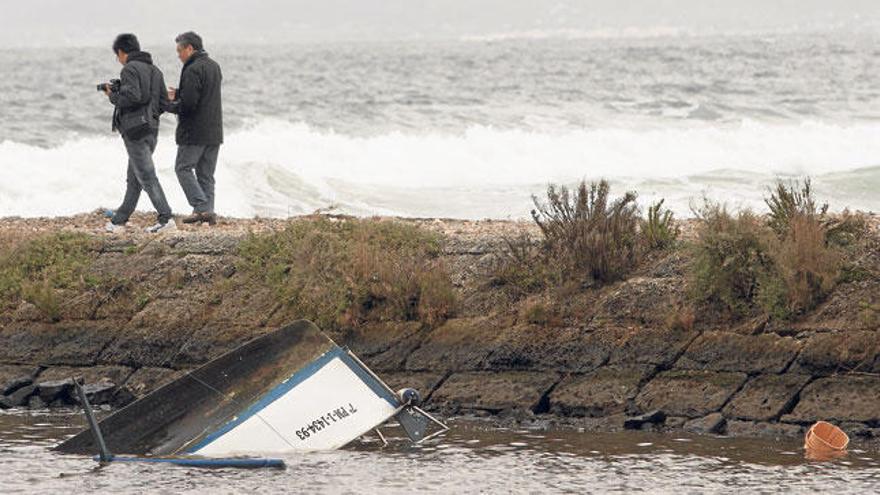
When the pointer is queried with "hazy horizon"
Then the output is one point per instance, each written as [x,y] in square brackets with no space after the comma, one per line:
[58,22]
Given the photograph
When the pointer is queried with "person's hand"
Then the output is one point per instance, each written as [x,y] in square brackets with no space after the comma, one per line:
[107,89]
[172,94]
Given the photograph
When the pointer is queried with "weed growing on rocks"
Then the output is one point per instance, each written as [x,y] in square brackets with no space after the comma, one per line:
[658,229]
[347,271]
[35,269]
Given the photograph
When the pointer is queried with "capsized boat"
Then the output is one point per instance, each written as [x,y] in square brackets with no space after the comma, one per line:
[290,390]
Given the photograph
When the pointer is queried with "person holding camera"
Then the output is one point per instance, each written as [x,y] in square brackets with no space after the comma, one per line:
[139,97]
[197,104]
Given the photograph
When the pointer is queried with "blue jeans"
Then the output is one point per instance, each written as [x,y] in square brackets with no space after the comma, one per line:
[141,176]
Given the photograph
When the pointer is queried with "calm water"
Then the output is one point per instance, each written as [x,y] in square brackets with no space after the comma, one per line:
[468,128]
[473,457]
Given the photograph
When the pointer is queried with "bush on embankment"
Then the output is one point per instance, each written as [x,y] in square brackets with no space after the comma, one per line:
[588,239]
[348,271]
[784,265]
[36,269]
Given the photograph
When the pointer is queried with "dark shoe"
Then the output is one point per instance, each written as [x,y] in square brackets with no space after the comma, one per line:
[209,218]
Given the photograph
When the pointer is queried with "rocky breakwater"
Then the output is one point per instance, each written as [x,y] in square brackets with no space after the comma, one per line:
[607,357]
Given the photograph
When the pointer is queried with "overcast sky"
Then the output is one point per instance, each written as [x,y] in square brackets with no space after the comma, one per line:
[93,22]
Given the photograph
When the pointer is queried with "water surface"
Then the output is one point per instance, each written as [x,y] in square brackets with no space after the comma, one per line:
[473,457]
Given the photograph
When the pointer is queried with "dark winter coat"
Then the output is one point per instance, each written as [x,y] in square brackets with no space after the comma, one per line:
[141,91]
[198,104]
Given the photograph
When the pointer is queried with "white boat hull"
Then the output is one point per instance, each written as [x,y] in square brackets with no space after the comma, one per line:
[323,406]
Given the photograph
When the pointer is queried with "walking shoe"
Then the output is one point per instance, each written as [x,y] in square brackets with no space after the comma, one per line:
[160,228]
[112,228]
[209,218]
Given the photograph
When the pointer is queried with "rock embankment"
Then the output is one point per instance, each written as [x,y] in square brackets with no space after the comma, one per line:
[613,362]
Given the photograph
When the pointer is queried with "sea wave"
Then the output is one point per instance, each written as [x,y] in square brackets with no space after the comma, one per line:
[277,168]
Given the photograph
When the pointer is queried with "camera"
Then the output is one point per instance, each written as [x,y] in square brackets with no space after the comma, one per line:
[113,85]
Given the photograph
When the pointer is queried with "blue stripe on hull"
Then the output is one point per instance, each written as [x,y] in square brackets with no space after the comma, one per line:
[235,462]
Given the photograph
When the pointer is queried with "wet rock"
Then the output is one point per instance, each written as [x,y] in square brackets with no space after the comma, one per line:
[712,423]
[89,374]
[97,393]
[854,429]
[63,343]
[458,345]
[657,346]
[16,383]
[737,428]
[839,398]
[675,422]
[13,377]
[55,389]
[638,422]
[387,345]
[35,402]
[602,392]
[20,397]
[689,393]
[494,391]
[552,349]
[615,422]
[154,336]
[766,397]
[728,351]
[827,353]
[6,402]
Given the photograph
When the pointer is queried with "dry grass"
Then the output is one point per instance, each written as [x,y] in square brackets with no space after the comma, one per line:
[345,272]
[805,265]
[681,317]
[35,269]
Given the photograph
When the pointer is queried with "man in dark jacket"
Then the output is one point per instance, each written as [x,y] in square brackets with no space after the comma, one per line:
[197,104]
[138,100]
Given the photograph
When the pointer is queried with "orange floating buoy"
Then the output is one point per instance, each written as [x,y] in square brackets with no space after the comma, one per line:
[825,438]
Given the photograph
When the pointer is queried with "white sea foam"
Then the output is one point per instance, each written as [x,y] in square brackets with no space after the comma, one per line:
[277,168]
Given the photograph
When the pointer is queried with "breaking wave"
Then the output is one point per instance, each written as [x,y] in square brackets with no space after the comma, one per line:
[277,168]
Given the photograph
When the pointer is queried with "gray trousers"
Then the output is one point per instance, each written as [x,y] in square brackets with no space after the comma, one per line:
[195,167]
[141,177]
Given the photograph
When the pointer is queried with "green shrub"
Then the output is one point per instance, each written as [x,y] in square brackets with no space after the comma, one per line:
[658,230]
[590,236]
[789,200]
[338,272]
[730,257]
